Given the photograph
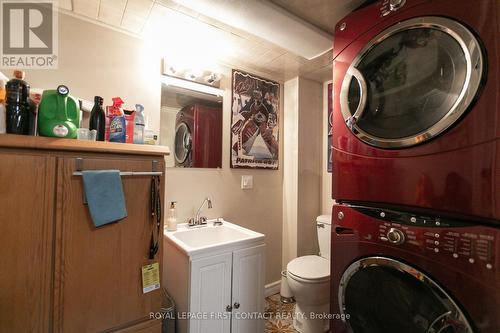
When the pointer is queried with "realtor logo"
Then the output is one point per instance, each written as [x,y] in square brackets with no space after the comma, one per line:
[29,34]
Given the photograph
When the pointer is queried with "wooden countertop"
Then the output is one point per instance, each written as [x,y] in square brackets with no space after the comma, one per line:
[38,142]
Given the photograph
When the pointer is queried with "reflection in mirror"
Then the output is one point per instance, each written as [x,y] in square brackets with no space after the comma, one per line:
[191,125]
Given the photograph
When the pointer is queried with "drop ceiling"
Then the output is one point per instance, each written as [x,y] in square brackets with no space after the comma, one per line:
[250,52]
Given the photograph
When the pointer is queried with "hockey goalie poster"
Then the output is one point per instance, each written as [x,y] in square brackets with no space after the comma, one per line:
[254,122]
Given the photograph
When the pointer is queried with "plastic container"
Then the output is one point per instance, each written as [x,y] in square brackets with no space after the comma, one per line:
[140,124]
[172,217]
[58,114]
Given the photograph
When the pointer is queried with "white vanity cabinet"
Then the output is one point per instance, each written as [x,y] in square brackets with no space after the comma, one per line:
[219,290]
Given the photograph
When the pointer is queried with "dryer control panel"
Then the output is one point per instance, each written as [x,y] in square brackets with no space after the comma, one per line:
[469,244]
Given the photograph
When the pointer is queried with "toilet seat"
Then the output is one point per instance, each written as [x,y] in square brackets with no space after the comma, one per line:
[309,269]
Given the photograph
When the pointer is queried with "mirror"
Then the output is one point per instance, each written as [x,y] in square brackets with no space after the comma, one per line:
[191,126]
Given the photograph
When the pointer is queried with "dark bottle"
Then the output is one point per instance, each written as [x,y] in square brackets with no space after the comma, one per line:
[17,104]
[98,118]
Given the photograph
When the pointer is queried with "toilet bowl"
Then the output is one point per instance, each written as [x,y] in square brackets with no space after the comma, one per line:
[309,281]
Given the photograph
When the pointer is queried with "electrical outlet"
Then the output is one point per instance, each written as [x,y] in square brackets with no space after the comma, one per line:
[246,182]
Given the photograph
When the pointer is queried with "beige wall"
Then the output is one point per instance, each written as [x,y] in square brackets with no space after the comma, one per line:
[302,177]
[309,179]
[326,177]
[94,60]
[259,209]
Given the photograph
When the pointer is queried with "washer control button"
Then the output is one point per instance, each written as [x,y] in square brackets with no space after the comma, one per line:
[489,266]
[396,4]
[471,260]
[382,214]
[455,255]
[396,236]
[340,215]
[436,250]
[413,219]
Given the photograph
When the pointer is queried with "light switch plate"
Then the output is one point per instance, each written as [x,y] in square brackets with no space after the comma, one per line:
[246,182]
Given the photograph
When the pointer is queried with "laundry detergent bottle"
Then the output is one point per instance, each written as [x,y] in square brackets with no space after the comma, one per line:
[58,115]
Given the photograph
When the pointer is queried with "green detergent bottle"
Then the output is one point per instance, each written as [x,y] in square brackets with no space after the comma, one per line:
[58,115]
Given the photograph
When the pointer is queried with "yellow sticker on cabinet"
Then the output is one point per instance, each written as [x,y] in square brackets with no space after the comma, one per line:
[150,278]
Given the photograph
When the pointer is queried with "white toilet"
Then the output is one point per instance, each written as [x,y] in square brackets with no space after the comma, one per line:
[309,280]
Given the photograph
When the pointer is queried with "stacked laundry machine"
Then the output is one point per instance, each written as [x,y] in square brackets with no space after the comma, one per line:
[416,168]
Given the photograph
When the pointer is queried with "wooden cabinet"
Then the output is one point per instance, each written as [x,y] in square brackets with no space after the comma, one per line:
[222,292]
[58,273]
[26,237]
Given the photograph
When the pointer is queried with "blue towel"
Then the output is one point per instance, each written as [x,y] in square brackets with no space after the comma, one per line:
[104,194]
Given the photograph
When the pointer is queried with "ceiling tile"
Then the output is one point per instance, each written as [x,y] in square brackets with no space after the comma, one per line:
[65,4]
[139,7]
[88,8]
[111,11]
[132,22]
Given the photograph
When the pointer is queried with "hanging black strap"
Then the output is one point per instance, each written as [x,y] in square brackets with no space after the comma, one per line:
[155,201]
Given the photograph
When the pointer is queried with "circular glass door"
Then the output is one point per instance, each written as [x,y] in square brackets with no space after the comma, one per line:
[412,82]
[183,143]
[384,295]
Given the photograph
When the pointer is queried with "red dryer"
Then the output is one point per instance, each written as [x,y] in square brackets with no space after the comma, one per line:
[395,272]
[416,107]
[198,137]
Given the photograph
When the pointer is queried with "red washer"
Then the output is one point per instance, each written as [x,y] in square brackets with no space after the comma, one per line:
[416,106]
[198,137]
[394,271]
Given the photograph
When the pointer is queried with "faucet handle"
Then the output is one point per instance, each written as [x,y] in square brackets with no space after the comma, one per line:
[191,222]
[203,220]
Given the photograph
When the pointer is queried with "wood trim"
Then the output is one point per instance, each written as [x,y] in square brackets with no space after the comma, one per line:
[38,142]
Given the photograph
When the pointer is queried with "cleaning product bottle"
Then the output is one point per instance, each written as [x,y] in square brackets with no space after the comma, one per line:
[172,217]
[115,123]
[98,119]
[129,125]
[58,114]
[2,117]
[17,105]
[139,124]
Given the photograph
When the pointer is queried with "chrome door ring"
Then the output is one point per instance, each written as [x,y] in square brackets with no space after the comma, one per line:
[474,60]
[456,313]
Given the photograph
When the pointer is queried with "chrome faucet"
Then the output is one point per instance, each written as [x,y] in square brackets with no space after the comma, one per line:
[200,220]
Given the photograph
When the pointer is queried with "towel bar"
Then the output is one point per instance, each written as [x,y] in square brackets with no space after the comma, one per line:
[130,173]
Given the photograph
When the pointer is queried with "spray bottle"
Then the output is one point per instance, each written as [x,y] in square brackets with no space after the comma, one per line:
[115,122]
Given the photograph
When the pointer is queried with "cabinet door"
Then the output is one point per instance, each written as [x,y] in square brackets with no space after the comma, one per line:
[26,234]
[211,294]
[98,270]
[248,290]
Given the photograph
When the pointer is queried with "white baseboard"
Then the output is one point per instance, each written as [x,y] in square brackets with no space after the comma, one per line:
[272,288]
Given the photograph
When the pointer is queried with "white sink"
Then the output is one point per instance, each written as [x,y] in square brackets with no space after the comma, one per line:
[193,240]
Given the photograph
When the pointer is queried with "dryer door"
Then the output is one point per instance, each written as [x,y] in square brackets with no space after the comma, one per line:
[384,295]
[183,144]
[411,82]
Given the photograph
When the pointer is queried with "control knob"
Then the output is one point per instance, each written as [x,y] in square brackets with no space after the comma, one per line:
[396,236]
[396,4]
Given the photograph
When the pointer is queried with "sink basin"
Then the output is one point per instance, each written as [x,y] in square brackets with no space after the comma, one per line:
[193,240]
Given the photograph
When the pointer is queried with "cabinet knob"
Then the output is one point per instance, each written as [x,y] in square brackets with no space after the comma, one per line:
[236,305]
[229,308]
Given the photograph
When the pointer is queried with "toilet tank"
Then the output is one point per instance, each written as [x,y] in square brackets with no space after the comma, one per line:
[324,228]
